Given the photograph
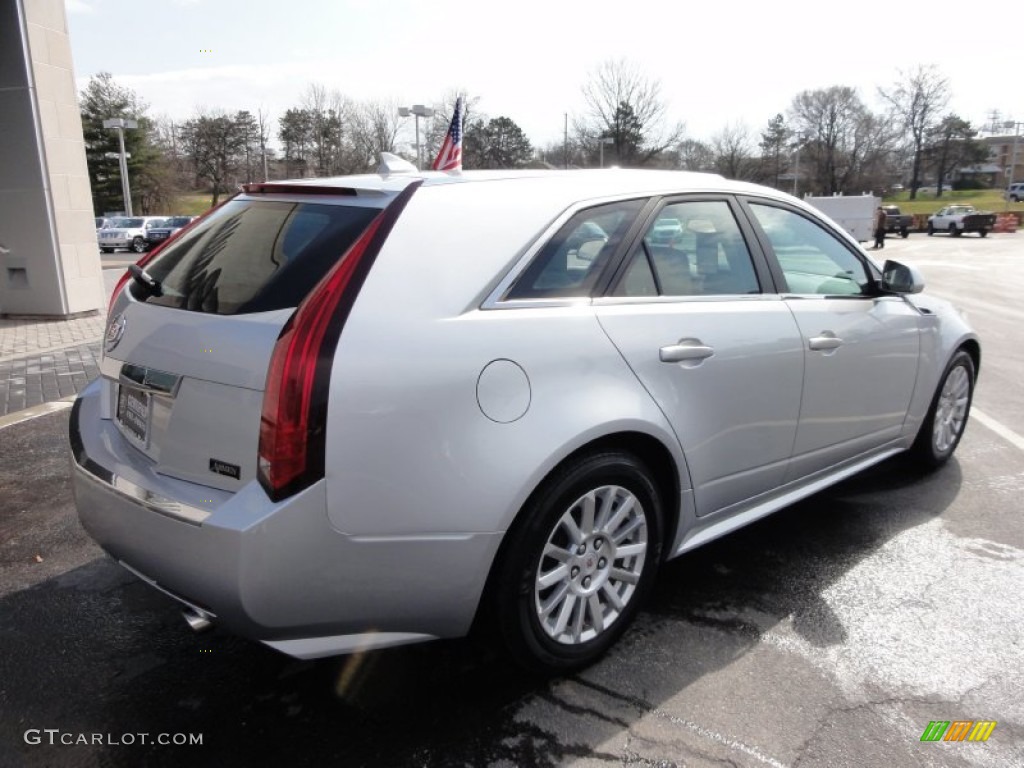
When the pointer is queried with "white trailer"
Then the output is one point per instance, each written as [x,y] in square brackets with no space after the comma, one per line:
[855,214]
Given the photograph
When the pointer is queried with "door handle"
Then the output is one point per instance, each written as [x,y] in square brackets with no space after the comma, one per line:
[826,341]
[686,349]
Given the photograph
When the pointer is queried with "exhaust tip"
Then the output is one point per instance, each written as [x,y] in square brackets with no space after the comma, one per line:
[197,620]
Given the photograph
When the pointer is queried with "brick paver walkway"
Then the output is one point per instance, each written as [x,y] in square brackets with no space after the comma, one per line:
[45,360]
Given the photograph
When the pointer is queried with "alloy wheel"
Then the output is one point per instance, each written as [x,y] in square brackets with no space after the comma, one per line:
[591,564]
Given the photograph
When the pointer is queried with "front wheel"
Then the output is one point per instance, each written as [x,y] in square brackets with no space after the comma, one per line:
[579,562]
[954,231]
[138,245]
[947,417]
[931,229]
[904,233]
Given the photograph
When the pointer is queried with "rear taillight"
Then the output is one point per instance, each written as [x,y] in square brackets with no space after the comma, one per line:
[294,419]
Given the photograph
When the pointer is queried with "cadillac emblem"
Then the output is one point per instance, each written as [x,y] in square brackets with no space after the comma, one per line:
[115,331]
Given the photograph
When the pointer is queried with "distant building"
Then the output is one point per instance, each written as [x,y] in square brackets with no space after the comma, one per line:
[994,171]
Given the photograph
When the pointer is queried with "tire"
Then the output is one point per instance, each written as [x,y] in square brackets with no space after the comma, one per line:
[982,232]
[107,250]
[138,245]
[1014,198]
[904,233]
[953,231]
[947,417]
[931,229]
[557,553]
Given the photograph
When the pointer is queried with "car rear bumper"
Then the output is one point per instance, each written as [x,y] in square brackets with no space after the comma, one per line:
[277,573]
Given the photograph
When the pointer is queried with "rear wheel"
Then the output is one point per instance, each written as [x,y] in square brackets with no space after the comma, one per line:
[931,229]
[983,232]
[138,245]
[904,233]
[579,563]
[944,425]
[954,231]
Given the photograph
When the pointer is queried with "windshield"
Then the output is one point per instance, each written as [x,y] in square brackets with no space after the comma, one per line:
[127,223]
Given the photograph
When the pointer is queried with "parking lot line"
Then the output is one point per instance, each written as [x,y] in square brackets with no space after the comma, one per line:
[36,410]
[1004,432]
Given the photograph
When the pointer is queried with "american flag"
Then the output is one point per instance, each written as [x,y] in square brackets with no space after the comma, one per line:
[450,156]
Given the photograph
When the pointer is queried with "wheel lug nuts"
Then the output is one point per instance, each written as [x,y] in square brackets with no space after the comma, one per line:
[602,563]
[581,549]
[574,572]
[586,582]
[598,544]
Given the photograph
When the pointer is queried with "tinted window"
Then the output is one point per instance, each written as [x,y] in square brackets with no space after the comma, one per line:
[691,249]
[572,261]
[812,258]
[255,256]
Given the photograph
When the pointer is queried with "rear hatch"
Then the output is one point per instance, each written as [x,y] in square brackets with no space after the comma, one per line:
[186,365]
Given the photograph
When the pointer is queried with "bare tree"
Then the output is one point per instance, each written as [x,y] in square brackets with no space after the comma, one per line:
[917,102]
[733,151]
[213,143]
[625,105]
[695,155]
[263,126]
[374,128]
[839,133]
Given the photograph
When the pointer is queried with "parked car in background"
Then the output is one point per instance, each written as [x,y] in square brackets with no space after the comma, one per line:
[352,413]
[128,232]
[957,219]
[896,221]
[1015,192]
[158,234]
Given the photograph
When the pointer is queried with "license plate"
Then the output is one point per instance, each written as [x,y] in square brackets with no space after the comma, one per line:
[133,412]
[157,236]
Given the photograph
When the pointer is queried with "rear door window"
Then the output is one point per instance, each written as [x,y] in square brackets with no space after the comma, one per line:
[255,256]
[692,248]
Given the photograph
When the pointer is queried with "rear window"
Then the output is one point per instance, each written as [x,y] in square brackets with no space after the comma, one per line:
[254,256]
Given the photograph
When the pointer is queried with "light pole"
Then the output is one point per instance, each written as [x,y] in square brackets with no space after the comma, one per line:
[1013,159]
[796,171]
[418,110]
[119,123]
[601,143]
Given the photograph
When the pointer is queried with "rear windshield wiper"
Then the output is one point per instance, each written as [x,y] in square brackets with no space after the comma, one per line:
[149,283]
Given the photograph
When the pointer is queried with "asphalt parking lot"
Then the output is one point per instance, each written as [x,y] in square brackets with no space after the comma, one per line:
[830,634]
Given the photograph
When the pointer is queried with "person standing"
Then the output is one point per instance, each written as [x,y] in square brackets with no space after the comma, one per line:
[879,228]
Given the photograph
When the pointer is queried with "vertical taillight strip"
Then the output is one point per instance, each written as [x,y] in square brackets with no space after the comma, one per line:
[294,419]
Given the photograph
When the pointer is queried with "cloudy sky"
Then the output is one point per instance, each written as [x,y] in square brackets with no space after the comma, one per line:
[719,61]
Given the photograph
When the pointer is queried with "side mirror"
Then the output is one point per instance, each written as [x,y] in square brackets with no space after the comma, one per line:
[899,278]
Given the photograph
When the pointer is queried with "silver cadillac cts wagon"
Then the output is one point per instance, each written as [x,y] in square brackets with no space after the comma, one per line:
[352,413]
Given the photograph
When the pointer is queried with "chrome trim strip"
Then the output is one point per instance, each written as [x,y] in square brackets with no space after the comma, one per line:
[149,379]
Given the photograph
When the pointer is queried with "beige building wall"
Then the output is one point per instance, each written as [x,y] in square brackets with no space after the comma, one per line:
[48,252]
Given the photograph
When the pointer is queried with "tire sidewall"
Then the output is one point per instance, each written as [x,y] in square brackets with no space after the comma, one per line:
[517,617]
[925,444]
